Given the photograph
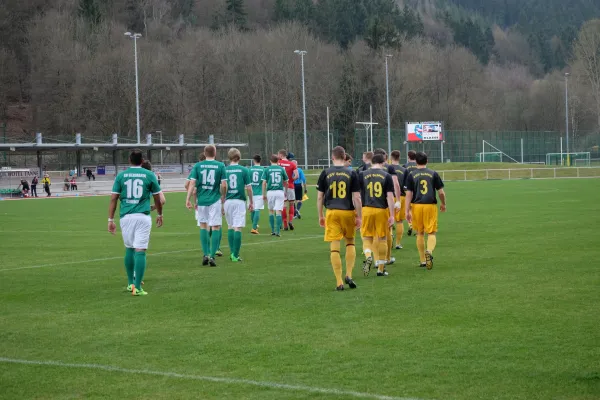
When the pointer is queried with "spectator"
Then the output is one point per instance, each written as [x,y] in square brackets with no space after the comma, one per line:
[73,183]
[47,183]
[34,183]
[158,177]
[24,186]
[66,185]
[90,174]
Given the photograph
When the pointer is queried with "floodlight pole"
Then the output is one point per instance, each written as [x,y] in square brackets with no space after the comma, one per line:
[302,53]
[371,116]
[328,142]
[135,37]
[387,89]
[567,109]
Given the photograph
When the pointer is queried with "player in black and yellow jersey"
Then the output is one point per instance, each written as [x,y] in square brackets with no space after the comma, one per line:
[400,212]
[339,192]
[421,206]
[377,189]
[410,166]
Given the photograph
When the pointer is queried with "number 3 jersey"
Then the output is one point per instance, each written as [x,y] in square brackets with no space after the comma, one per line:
[135,186]
[375,184]
[208,175]
[338,184]
[238,178]
[424,183]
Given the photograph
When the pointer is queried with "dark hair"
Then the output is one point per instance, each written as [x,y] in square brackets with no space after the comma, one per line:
[257,158]
[421,158]
[147,165]
[378,159]
[348,157]
[136,157]
[274,159]
[380,151]
[411,155]
[202,157]
[395,155]
[210,151]
[339,153]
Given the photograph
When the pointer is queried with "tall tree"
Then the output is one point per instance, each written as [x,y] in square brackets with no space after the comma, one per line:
[587,60]
[235,12]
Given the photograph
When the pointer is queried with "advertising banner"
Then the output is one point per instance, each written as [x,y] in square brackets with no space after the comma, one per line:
[424,131]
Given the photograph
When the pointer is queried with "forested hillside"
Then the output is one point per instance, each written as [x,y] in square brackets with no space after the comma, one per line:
[225,66]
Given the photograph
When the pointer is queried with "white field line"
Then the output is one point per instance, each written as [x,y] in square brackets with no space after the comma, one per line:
[154,254]
[230,381]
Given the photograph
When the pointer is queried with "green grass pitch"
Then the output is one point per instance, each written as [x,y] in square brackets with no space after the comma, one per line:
[511,309]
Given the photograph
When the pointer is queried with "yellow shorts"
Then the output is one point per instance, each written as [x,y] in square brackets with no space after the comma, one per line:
[399,215]
[425,218]
[375,222]
[340,224]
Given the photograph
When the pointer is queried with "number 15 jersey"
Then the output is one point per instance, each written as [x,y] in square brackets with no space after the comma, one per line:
[207,176]
[424,183]
[338,184]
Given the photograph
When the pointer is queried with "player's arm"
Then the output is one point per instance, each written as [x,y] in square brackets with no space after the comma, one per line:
[442,200]
[190,187]
[223,190]
[264,188]
[321,188]
[187,184]
[295,174]
[391,209]
[112,208]
[439,186]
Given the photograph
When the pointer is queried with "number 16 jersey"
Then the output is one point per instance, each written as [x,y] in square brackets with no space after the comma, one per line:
[207,176]
[135,186]
[338,184]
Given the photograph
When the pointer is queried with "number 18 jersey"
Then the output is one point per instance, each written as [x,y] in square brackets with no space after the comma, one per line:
[338,184]
[135,186]
[207,176]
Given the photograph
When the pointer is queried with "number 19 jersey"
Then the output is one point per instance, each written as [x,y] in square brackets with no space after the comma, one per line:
[338,184]
[135,186]
[207,176]
[375,184]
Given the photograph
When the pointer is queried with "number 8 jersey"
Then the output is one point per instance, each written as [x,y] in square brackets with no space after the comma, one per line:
[424,183]
[338,184]
[135,186]
[208,175]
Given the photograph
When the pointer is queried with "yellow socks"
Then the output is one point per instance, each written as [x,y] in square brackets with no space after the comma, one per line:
[336,262]
[376,250]
[383,246]
[421,247]
[399,233]
[350,257]
[368,246]
[388,250]
[431,242]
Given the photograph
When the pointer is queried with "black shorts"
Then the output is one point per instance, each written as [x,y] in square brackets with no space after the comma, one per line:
[298,190]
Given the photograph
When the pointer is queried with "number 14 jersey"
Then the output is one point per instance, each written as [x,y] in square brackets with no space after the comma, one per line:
[207,176]
[338,184]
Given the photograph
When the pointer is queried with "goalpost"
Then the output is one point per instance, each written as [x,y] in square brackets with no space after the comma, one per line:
[495,155]
[580,159]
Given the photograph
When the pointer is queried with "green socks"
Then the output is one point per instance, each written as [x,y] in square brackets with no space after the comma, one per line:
[205,241]
[230,240]
[129,264]
[279,223]
[237,243]
[272,222]
[215,242]
[140,268]
[255,219]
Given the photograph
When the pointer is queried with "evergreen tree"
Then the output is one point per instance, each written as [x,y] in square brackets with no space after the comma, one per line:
[89,10]
[282,11]
[235,13]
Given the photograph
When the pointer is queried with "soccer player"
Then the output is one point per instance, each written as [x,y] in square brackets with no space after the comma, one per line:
[275,181]
[348,161]
[290,196]
[256,174]
[377,189]
[410,166]
[400,212]
[208,177]
[367,158]
[339,191]
[133,187]
[421,206]
[147,165]
[238,184]
[299,189]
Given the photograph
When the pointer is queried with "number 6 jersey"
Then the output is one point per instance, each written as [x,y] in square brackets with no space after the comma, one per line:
[135,186]
[338,184]
[208,175]
[424,183]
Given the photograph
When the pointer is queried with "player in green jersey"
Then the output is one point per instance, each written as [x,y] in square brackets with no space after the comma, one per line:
[256,174]
[134,187]
[238,184]
[208,178]
[275,181]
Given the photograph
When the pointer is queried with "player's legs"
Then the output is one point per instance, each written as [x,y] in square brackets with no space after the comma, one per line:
[284,216]
[336,263]
[350,256]
[419,228]
[215,220]
[430,226]
[127,231]
[400,222]
[235,213]
[143,226]
[259,204]
[388,251]
[382,253]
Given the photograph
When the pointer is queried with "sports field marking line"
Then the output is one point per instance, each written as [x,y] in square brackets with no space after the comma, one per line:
[231,381]
[154,254]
